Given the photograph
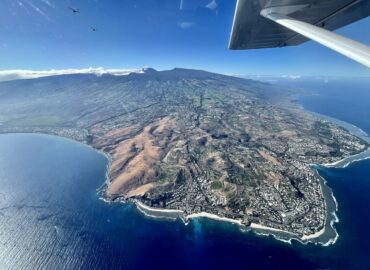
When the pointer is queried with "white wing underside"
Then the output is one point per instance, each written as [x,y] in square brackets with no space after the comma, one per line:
[278,23]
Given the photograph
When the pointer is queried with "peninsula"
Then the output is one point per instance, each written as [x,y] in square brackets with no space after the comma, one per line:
[192,141]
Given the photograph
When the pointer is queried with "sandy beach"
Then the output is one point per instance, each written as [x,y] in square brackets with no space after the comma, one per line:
[314,235]
[262,227]
[215,217]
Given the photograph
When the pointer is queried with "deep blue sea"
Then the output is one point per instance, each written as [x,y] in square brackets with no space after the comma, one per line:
[51,216]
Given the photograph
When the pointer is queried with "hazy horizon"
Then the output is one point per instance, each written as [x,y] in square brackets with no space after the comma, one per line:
[18,74]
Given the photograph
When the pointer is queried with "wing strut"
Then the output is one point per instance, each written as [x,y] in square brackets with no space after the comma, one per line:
[348,47]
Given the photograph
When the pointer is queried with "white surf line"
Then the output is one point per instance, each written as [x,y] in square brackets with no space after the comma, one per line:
[145,207]
[254,226]
[304,239]
[351,159]
[257,227]
[215,217]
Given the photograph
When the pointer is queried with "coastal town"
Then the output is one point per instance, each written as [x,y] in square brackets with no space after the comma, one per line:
[192,141]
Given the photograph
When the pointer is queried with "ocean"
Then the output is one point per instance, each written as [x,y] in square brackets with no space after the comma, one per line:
[341,98]
[52,218]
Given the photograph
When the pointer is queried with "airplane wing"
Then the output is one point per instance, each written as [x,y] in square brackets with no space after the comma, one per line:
[279,23]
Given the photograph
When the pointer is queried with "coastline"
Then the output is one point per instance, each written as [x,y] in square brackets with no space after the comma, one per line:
[325,236]
[171,214]
[330,200]
[353,129]
[258,229]
[343,163]
[214,217]
[329,233]
[314,235]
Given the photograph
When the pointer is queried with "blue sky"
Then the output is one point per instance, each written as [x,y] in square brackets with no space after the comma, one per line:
[45,34]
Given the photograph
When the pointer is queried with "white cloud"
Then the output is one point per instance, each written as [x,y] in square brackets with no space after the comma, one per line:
[185,25]
[292,77]
[8,75]
[212,5]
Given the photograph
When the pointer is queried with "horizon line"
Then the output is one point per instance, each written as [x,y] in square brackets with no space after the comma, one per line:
[18,74]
